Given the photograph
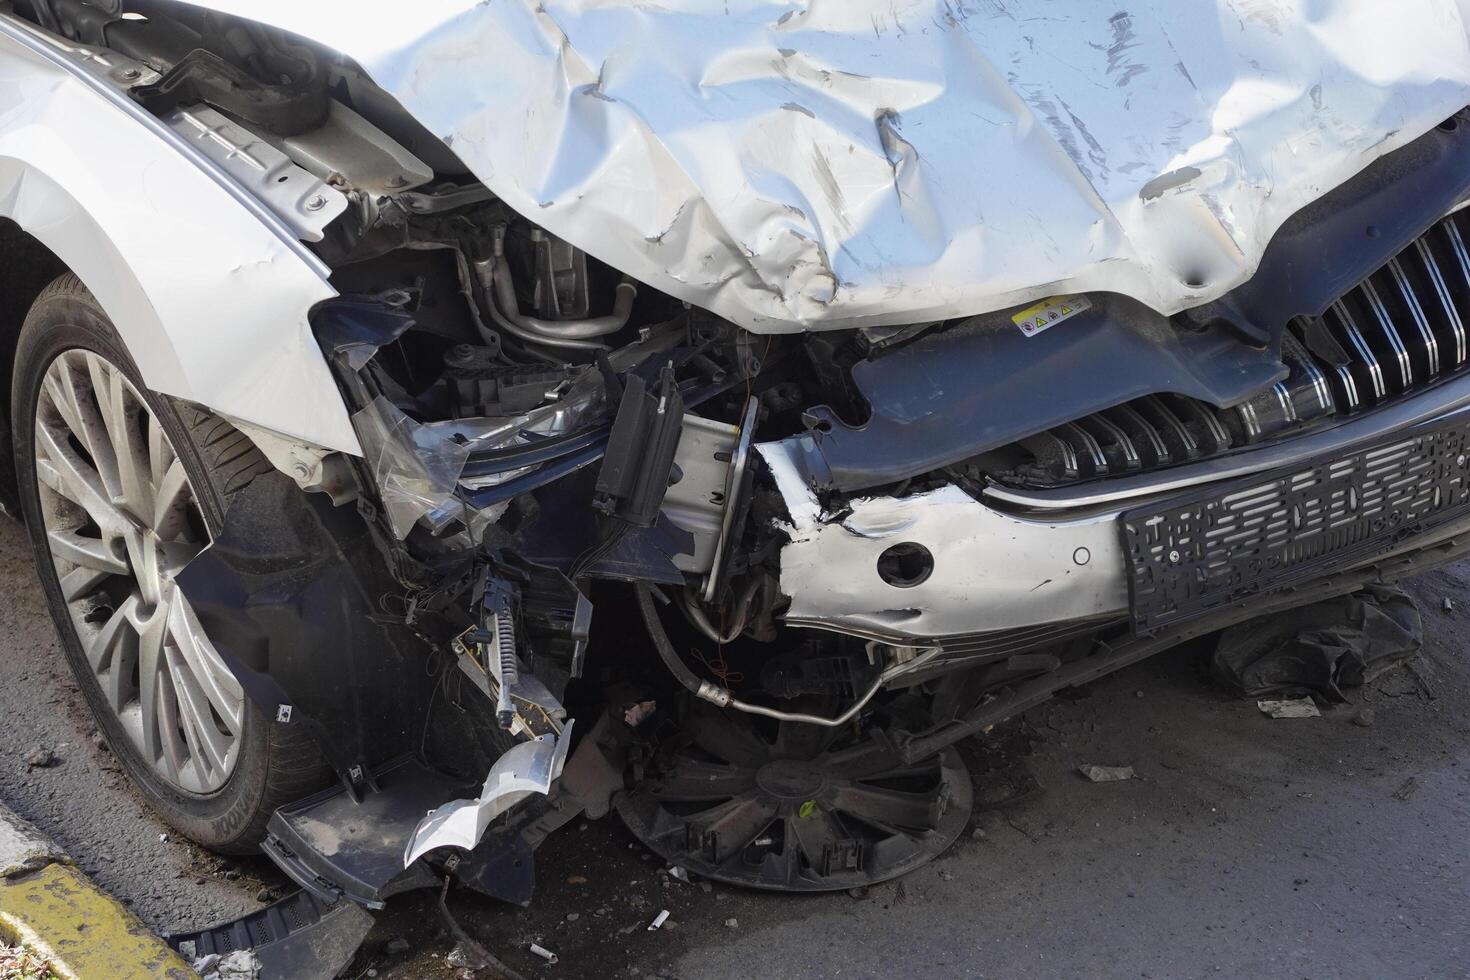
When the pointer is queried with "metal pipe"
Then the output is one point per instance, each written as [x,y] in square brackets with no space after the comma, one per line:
[700,621]
[714,694]
[755,709]
[505,297]
[486,271]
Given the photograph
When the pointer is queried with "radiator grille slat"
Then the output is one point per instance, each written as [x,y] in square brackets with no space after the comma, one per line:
[1446,302]
[1416,314]
[1358,344]
[1397,351]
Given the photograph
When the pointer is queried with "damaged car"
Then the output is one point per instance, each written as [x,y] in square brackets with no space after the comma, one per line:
[438,422]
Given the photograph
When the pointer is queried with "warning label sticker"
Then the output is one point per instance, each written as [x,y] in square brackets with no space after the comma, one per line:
[1048,313]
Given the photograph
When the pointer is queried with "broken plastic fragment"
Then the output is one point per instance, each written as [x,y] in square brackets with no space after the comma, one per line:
[415,468]
[530,767]
[1106,774]
[1297,708]
[636,714]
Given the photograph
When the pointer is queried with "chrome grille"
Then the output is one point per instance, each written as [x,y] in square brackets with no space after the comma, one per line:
[1403,326]
[1399,330]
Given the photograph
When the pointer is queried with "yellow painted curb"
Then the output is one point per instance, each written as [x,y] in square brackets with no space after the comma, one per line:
[81,930]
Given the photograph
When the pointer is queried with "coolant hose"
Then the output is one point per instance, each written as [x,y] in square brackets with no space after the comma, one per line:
[666,651]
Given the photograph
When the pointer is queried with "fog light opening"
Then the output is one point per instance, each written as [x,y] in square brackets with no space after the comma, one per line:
[905,565]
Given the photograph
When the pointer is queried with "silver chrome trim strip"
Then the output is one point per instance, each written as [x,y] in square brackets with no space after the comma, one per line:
[1155,440]
[1099,461]
[1447,399]
[1457,244]
[1175,424]
[1283,397]
[1216,427]
[1348,385]
[1406,371]
[1130,452]
[1248,418]
[1411,299]
[1426,255]
[1375,371]
[1319,384]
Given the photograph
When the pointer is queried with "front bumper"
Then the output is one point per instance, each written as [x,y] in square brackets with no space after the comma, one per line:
[1017,571]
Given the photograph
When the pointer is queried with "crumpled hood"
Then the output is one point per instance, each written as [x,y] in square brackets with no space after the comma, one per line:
[836,163]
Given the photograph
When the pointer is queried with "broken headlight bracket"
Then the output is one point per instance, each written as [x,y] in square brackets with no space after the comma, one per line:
[637,464]
[517,599]
[640,451]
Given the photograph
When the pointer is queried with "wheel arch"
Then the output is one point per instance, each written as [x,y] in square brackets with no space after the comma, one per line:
[26,267]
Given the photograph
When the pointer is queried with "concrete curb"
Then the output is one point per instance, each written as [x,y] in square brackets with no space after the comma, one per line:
[83,932]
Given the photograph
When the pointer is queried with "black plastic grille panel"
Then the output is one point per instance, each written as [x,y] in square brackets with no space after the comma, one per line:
[1229,543]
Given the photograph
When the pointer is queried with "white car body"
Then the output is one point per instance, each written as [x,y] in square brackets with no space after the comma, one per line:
[128,205]
[729,303]
[786,166]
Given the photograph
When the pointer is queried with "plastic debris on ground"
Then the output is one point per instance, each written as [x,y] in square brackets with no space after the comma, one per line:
[464,956]
[1107,774]
[1321,648]
[1406,789]
[1296,708]
[242,964]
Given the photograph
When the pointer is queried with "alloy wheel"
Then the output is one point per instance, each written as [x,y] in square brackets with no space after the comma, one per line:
[121,520]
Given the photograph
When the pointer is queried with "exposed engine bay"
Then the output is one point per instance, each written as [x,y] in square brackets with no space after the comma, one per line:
[776,577]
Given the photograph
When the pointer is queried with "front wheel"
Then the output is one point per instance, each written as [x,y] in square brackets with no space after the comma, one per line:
[120,489]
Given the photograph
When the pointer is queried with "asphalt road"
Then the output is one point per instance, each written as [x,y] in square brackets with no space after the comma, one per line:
[1246,847]
[83,800]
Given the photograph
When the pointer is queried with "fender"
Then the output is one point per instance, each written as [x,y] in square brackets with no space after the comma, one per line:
[208,289]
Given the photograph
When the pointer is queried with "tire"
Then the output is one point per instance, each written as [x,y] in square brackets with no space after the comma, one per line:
[206,758]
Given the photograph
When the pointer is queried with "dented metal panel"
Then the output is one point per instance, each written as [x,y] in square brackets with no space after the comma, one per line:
[846,162]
